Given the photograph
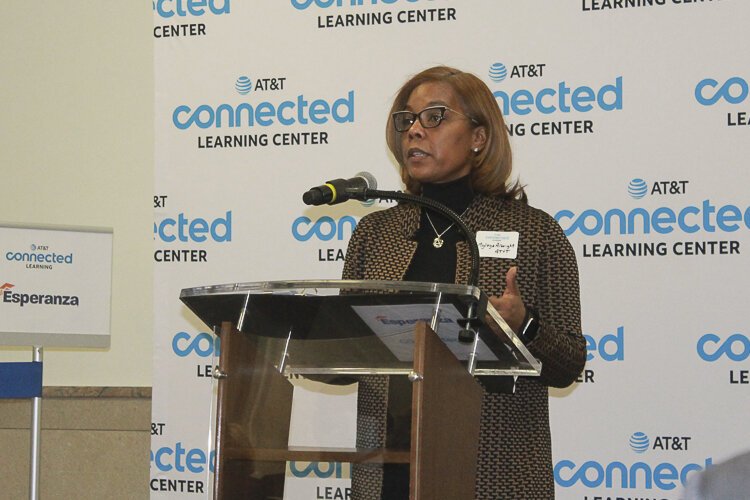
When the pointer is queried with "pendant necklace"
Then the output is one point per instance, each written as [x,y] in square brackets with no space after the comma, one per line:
[438,241]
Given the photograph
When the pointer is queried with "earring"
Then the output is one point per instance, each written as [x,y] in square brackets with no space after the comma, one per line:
[476,150]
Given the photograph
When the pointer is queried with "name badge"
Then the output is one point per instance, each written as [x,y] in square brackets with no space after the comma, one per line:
[498,244]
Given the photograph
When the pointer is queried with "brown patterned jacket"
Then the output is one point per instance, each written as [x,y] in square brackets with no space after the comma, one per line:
[515,456]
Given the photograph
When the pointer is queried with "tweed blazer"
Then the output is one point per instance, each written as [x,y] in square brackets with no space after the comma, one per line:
[515,455]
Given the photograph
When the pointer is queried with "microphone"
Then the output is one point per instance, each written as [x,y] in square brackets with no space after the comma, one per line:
[340,190]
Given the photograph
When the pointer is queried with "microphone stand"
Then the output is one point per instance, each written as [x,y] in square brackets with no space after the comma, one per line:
[467,334]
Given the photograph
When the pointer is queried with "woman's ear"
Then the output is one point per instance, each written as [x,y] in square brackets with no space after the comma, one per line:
[479,138]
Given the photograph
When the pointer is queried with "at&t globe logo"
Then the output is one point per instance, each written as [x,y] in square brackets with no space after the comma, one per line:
[639,442]
[498,72]
[243,85]
[637,189]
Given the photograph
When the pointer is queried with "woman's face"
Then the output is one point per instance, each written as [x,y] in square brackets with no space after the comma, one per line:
[443,153]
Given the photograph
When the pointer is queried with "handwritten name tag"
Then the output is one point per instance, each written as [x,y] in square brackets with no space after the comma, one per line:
[498,244]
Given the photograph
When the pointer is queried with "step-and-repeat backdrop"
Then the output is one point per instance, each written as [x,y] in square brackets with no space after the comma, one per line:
[630,125]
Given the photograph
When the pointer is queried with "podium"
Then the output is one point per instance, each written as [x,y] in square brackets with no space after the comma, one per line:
[339,330]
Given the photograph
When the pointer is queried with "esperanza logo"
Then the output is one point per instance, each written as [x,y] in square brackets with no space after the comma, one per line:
[22,299]
[324,228]
[711,347]
[663,220]
[324,4]
[204,344]
[401,322]
[592,474]
[562,98]
[266,113]
[182,8]
[734,91]
[196,229]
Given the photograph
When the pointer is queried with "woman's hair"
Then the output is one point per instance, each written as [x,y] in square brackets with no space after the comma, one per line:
[492,166]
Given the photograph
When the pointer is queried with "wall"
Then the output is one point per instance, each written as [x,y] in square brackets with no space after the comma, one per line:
[76,148]
[94,444]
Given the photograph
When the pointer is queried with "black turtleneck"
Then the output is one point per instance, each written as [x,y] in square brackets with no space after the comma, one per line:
[439,264]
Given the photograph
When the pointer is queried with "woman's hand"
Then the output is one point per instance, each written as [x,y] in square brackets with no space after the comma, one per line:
[510,304]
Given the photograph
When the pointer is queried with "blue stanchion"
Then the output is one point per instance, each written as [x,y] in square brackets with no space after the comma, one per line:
[21,380]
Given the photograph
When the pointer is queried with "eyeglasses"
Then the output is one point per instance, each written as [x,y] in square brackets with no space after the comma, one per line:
[429,117]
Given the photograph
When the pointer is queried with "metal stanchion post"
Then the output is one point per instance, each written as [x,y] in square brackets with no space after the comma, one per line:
[36,434]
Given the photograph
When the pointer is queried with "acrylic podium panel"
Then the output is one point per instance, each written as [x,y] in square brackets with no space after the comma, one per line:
[338,330]
[358,327]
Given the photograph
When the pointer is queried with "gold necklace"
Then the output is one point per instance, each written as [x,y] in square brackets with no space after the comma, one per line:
[438,242]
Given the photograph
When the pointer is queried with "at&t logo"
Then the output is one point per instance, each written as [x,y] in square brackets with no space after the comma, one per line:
[499,72]
[665,476]
[638,188]
[243,85]
[641,443]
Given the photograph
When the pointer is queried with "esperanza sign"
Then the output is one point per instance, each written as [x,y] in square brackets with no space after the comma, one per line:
[55,286]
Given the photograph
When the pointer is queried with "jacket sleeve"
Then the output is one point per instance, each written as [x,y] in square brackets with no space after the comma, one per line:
[354,263]
[559,344]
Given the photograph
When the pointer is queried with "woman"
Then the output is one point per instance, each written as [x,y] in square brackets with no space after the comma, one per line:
[449,138]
